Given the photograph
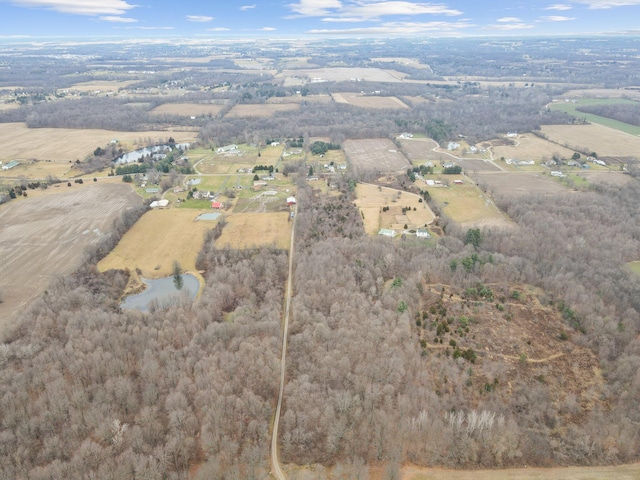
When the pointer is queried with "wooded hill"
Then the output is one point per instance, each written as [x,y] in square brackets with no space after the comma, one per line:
[521,351]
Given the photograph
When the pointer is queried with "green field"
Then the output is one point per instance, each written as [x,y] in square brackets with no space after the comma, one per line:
[572,109]
[634,267]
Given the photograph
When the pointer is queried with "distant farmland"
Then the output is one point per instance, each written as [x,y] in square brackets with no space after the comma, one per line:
[260,110]
[571,109]
[603,140]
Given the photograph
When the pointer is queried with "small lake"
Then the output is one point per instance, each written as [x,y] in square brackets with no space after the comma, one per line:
[163,291]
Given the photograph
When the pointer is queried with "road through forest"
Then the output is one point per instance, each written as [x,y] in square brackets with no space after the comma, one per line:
[275,463]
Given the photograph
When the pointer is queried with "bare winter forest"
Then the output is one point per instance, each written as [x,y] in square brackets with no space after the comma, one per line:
[488,347]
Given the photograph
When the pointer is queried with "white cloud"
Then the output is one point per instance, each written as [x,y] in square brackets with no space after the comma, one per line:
[315,8]
[557,18]
[218,29]
[80,7]
[151,28]
[268,29]
[402,28]
[509,19]
[110,18]
[367,10]
[244,8]
[602,4]
[559,7]
[199,18]
[509,26]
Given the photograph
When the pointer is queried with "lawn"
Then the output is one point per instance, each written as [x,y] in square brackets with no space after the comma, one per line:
[634,267]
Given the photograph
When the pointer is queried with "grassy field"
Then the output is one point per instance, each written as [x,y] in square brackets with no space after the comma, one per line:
[466,204]
[531,147]
[246,230]
[369,101]
[65,144]
[260,110]
[519,184]
[158,239]
[603,140]
[634,267]
[188,109]
[572,109]
[371,199]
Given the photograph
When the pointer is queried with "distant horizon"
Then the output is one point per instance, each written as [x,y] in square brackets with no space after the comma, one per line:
[315,19]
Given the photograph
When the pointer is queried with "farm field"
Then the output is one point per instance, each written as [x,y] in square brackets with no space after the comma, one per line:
[369,101]
[634,267]
[518,184]
[375,155]
[597,93]
[38,169]
[370,199]
[608,177]
[344,74]
[159,238]
[187,109]
[247,230]
[46,235]
[320,98]
[260,110]
[603,140]
[473,165]
[467,205]
[572,109]
[101,86]
[66,144]
[420,150]
[530,147]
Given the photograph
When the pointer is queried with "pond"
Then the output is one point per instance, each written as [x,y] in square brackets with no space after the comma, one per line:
[162,292]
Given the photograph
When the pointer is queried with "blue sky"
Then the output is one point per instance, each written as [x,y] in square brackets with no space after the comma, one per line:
[313,18]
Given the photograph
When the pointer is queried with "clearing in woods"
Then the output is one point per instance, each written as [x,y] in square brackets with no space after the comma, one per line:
[68,144]
[159,238]
[46,235]
[371,199]
[188,109]
[369,101]
[248,230]
[375,155]
[260,110]
[467,205]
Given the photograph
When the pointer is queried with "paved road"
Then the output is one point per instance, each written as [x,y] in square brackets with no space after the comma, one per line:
[275,463]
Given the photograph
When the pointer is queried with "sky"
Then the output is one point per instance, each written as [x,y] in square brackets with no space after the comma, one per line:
[314,18]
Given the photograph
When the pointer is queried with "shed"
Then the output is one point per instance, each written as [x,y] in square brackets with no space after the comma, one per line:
[291,200]
[217,205]
[387,232]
